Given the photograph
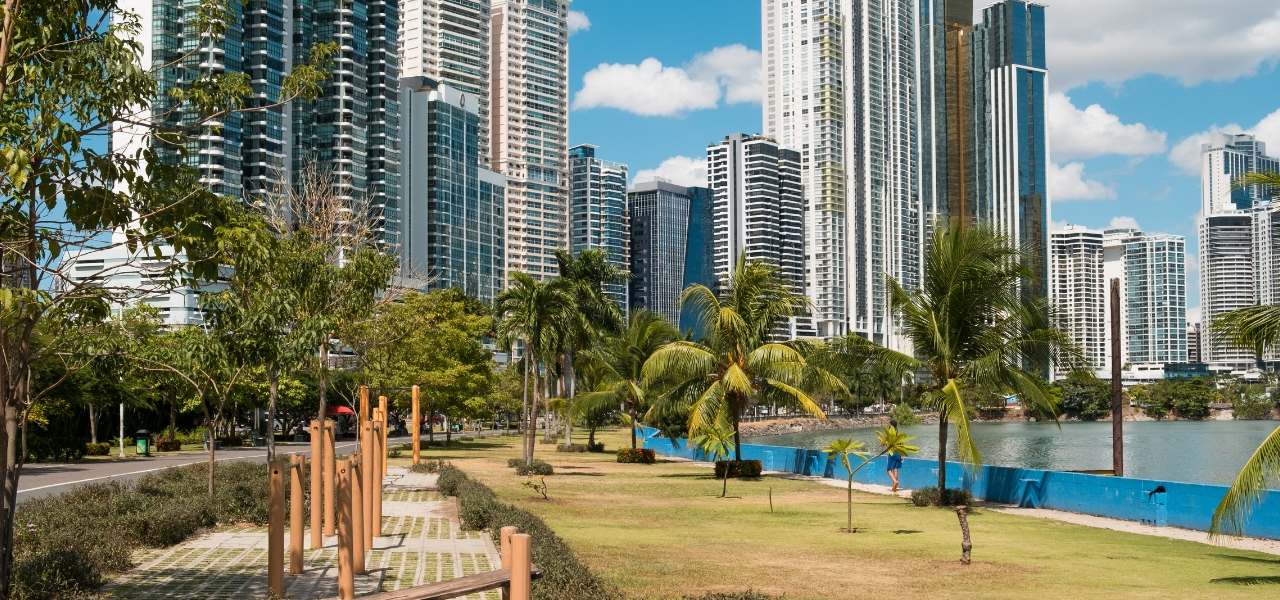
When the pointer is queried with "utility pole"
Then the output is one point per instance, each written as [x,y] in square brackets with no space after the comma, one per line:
[1117,393]
[121,438]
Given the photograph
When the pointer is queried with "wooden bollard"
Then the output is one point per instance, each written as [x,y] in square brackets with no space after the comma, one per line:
[382,440]
[379,458]
[364,403]
[521,567]
[275,528]
[366,475]
[417,427]
[357,518]
[329,510]
[317,466]
[295,515]
[504,540]
[346,558]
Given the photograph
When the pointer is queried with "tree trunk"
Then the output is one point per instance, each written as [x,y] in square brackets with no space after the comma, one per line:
[273,388]
[546,435]
[568,398]
[965,544]
[633,429]
[533,421]
[173,414]
[724,488]
[737,439]
[524,410]
[591,438]
[849,522]
[93,424]
[213,437]
[942,452]
[12,468]
[324,380]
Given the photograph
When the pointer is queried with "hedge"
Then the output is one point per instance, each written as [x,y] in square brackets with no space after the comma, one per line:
[61,449]
[739,468]
[641,455]
[168,445]
[564,577]
[67,545]
[929,496]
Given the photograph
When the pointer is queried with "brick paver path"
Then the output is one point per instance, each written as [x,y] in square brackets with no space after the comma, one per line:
[421,543]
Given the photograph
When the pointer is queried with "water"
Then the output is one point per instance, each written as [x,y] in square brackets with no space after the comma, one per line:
[1189,451]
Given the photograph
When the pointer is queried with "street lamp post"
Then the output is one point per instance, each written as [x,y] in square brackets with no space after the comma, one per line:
[121,438]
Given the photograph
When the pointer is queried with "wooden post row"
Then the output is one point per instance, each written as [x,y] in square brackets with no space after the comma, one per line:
[346,554]
[329,485]
[382,440]
[378,470]
[521,568]
[504,541]
[275,528]
[366,462]
[317,465]
[295,514]
[356,500]
[417,427]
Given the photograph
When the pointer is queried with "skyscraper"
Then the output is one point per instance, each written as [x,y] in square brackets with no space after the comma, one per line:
[529,127]
[1224,159]
[448,41]
[598,212]
[453,219]
[659,245]
[700,250]
[1226,282]
[1155,285]
[1080,291]
[351,130]
[1011,146]
[759,210]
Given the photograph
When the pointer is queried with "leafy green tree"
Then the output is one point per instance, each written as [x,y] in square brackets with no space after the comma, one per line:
[738,367]
[891,441]
[617,363]
[971,328]
[595,314]
[533,313]
[903,414]
[1086,397]
[717,443]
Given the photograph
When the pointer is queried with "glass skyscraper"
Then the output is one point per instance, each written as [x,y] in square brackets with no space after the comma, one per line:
[659,245]
[700,248]
[453,218]
[598,215]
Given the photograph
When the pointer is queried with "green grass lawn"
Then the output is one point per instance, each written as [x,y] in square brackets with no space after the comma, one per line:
[659,531]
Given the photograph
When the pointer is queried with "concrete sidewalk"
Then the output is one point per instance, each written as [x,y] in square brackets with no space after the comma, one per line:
[421,543]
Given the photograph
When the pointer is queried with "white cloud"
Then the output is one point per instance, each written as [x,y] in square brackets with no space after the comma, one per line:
[1068,183]
[578,21]
[1193,313]
[1058,225]
[1123,223]
[1185,155]
[1091,132]
[680,170]
[735,67]
[651,89]
[1091,40]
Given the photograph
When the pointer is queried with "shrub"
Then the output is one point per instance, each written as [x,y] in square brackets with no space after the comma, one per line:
[1252,408]
[98,449]
[231,441]
[537,467]
[903,414]
[640,455]
[168,445]
[62,449]
[564,577]
[747,595]
[430,466]
[929,496]
[739,468]
[545,441]
[595,447]
[449,480]
[393,453]
[572,448]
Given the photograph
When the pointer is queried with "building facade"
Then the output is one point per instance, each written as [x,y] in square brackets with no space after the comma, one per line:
[454,209]
[1227,282]
[1224,159]
[1156,299]
[659,245]
[1079,291]
[448,41]
[598,216]
[529,127]
[700,249]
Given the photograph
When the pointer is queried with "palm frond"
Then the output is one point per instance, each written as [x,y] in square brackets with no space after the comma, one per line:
[951,405]
[1247,490]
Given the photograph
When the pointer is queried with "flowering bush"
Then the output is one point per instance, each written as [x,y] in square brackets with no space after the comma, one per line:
[639,455]
[98,449]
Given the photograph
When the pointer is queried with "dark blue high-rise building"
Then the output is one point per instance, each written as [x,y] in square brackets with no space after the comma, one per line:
[700,249]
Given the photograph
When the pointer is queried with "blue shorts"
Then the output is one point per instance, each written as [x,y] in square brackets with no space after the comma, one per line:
[895,462]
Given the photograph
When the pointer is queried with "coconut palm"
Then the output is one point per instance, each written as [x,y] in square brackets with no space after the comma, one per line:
[891,441]
[586,278]
[738,366]
[617,362]
[717,442]
[971,325]
[1256,328]
[533,312]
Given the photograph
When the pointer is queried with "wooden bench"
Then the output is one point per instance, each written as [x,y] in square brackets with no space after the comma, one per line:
[452,588]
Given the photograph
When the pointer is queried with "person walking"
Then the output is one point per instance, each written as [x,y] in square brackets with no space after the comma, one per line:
[894,460]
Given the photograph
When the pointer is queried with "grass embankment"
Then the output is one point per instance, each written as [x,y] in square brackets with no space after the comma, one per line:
[659,531]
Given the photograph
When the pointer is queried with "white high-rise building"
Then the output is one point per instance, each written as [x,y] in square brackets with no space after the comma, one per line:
[1079,291]
[598,213]
[447,41]
[1222,160]
[1226,282]
[529,127]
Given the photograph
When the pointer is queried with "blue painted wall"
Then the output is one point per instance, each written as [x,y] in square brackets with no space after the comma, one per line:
[1186,505]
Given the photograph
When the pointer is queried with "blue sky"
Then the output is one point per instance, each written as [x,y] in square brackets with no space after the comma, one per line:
[1136,86]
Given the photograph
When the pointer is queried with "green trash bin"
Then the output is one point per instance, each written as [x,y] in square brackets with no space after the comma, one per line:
[143,440]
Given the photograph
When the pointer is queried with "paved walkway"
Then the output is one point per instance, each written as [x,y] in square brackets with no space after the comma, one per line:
[423,544]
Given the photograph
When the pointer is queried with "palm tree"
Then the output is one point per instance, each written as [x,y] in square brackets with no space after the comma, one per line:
[738,366]
[618,361]
[586,277]
[1256,328]
[717,442]
[970,325]
[533,312]
[891,441]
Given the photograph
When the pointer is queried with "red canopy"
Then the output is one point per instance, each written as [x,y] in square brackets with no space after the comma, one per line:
[339,410]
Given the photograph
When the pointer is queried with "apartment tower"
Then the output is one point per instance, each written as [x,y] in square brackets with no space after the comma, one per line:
[659,245]
[529,127]
[598,215]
